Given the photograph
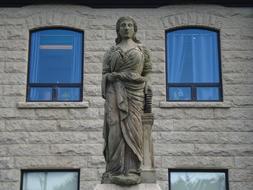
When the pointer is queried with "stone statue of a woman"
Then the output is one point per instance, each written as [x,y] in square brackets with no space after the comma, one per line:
[126,70]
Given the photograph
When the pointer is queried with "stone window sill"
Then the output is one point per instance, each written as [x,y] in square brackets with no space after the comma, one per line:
[55,105]
[225,105]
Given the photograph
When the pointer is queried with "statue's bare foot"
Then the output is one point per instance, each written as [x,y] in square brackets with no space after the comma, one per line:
[126,180]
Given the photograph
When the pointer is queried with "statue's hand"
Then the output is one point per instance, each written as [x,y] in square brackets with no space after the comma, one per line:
[113,76]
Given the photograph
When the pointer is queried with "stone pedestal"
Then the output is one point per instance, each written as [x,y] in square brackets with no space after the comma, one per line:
[143,186]
[148,172]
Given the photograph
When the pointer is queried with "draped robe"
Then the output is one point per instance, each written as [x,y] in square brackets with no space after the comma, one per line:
[124,101]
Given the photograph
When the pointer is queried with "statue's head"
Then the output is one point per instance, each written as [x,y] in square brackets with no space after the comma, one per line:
[121,23]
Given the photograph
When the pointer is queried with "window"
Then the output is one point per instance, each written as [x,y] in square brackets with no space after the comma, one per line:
[50,180]
[193,65]
[55,65]
[187,179]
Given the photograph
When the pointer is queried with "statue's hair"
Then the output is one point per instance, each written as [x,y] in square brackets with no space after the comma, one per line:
[121,19]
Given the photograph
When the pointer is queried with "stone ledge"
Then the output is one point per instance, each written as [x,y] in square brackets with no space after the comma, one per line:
[48,105]
[164,104]
[142,186]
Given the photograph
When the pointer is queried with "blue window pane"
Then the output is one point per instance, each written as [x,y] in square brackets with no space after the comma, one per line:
[192,56]
[179,93]
[56,57]
[56,60]
[68,94]
[42,94]
[207,93]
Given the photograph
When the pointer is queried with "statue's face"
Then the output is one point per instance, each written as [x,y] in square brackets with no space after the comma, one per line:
[126,29]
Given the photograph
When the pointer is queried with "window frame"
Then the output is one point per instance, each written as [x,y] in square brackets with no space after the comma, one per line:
[23,171]
[193,86]
[54,86]
[225,171]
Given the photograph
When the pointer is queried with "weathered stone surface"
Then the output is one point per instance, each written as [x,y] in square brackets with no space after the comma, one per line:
[9,175]
[30,125]
[9,185]
[241,185]
[14,90]
[224,149]
[76,149]
[56,161]
[244,162]
[238,67]
[197,162]
[212,125]
[203,137]
[235,113]
[173,149]
[6,162]
[81,125]
[96,161]
[237,175]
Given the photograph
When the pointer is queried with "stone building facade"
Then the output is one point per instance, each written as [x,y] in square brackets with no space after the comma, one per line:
[194,135]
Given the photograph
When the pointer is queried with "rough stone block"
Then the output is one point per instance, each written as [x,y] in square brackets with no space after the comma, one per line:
[173,149]
[95,35]
[49,114]
[238,90]
[154,35]
[30,125]
[223,149]
[241,175]
[96,161]
[14,90]
[13,79]
[57,161]
[77,149]
[89,174]
[10,175]
[197,162]
[6,162]
[88,114]
[241,185]
[15,67]
[9,185]
[244,162]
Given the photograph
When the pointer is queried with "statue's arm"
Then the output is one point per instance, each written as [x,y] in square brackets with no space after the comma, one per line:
[105,72]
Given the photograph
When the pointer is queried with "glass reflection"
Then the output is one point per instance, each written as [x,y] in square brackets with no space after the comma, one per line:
[207,93]
[50,181]
[179,93]
[198,181]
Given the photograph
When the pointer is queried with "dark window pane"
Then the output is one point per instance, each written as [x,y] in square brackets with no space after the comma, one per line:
[68,94]
[197,181]
[50,181]
[42,94]
[192,56]
[207,93]
[179,93]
